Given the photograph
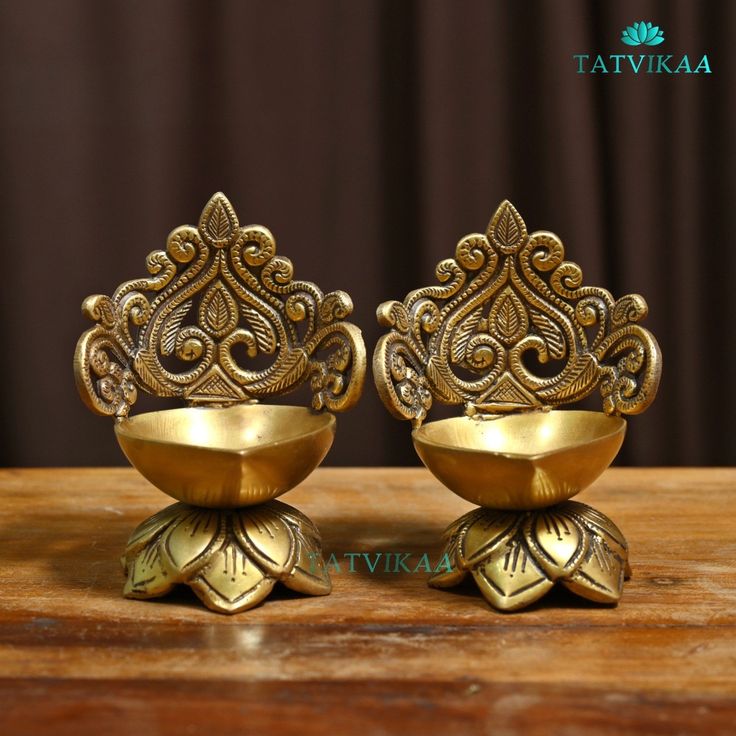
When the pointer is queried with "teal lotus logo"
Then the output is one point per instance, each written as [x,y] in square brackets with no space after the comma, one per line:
[642,33]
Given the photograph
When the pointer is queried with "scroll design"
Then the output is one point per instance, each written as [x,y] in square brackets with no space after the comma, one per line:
[505,295]
[216,296]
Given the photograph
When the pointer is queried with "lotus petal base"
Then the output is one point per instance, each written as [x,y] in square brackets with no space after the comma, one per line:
[231,558]
[515,557]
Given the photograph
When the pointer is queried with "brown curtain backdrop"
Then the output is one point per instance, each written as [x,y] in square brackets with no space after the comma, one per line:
[369,136]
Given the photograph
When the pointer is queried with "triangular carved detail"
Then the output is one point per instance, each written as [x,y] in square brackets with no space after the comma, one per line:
[507,394]
[215,387]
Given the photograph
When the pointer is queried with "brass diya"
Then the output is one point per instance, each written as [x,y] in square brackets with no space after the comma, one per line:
[216,297]
[507,296]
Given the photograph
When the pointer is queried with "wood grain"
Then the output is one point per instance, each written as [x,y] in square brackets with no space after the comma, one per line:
[384,653]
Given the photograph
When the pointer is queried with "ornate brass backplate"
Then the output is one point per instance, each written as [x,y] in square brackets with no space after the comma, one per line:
[506,299]
[508,293]
[215,288]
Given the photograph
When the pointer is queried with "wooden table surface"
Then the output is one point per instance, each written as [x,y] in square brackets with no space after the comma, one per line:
[383,653]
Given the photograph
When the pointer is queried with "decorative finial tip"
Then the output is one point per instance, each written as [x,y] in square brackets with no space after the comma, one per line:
[218,224]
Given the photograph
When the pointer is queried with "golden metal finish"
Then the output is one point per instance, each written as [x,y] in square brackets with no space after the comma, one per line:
[217,289]
[507,299]
[515,558]
[216,297]
[231,559]
[504,296]
[520,461]
[230,457]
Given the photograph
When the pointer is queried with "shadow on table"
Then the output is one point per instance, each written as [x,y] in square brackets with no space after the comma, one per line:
[78,550]
[405,553]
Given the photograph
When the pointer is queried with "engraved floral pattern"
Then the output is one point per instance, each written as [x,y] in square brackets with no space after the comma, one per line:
[216,297]
[231,559]
[516,557]
[508,295]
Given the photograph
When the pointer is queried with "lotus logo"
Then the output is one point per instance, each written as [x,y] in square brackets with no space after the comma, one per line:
[642,33]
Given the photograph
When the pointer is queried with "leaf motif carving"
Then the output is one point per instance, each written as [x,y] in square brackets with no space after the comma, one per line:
[551,333]
[142,365]
[443,391]
[507,229]
[576,380]
[262,329]
[508,317]
[217,311]
[218,225]
[459,341]
[292,370]
[171,328]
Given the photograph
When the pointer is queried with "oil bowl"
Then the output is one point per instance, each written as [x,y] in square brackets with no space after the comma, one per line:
[520,461]
[226,457]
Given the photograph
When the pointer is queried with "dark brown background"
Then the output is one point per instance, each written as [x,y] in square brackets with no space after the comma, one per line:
[369,136]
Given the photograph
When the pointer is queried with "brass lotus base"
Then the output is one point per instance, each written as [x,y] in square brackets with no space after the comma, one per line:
[516,557]
[231,558]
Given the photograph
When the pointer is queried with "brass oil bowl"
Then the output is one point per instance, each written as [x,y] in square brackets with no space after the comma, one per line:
[520,461]
[230,457]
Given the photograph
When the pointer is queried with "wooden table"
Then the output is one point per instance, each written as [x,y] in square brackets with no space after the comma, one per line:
[384,653]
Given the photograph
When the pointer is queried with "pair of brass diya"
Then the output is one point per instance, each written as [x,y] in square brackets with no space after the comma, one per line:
[219,298]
